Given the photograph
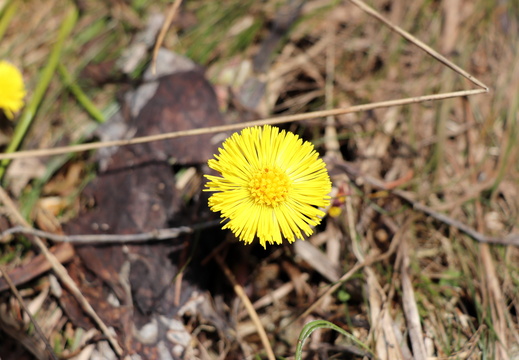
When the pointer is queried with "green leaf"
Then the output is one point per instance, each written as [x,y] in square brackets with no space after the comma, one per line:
[323,324]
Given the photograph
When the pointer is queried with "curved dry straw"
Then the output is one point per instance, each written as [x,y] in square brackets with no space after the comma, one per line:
[215,129]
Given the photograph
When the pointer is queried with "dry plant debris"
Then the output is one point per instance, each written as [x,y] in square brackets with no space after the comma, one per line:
[392,266]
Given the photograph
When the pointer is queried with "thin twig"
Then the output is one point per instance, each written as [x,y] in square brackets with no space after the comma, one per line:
[355,175]
[22,304]
[248,305]
[159,234]
[61,273]
[223,128]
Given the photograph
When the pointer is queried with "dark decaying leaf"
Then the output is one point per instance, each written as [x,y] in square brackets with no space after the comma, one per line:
[183,101]
[136,193]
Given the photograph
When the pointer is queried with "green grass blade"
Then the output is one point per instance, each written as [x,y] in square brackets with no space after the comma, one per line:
[81,97]
[6,16]
[309,328]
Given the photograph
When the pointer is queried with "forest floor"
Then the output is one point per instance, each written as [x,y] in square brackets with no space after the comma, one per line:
[417,257]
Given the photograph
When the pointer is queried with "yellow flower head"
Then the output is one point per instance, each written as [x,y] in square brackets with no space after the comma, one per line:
[12,90]
[272,184]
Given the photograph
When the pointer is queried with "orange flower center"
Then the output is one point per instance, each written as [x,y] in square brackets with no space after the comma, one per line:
[269,186]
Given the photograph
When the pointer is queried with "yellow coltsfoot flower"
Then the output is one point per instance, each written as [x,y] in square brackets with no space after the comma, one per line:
[272,185]
[12,90]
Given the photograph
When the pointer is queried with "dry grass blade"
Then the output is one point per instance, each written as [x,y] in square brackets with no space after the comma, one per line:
[497,303]
[420,44]
[248,305]
[386,340]
[410,307]
[160,39]
[330,138]
[215,129]
[27,311]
